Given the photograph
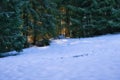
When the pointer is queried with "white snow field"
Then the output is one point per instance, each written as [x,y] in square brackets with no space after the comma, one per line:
[96,58]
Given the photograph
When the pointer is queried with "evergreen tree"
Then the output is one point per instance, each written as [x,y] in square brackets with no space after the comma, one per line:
[11,37]
[39,20]
[44,19]
[92,17]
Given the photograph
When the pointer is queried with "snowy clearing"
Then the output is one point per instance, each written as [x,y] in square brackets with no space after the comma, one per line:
[96,58]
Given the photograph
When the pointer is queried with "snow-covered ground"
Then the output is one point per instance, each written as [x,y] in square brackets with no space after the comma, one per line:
[95,58]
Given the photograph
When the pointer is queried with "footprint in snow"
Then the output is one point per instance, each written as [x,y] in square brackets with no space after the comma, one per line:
[82,55]
[76,56]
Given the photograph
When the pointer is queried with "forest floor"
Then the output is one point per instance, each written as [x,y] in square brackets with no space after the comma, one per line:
[94,58]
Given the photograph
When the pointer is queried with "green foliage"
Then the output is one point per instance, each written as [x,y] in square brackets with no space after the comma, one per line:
[91,17]
[39,20]
[11,37]
[45,19]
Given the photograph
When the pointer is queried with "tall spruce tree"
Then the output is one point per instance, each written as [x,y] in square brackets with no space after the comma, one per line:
[92,17]
[39,20]
[43,19]
[11,37]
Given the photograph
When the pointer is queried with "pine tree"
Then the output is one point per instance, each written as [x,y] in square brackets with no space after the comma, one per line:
[11,37]
[92,17]
[39,20]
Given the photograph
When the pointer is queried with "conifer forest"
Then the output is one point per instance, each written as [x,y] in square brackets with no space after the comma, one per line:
[24,23]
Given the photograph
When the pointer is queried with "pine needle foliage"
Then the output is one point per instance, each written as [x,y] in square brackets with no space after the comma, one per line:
[11,37]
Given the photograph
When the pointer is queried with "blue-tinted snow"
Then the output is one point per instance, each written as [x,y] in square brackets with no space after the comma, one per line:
[96,58]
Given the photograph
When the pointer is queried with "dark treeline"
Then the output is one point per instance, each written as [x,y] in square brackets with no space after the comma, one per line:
[26,22]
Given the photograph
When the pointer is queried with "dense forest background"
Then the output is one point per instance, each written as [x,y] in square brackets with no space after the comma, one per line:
[33,22]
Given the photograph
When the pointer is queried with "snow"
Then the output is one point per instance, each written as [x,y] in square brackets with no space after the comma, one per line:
[96,58]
